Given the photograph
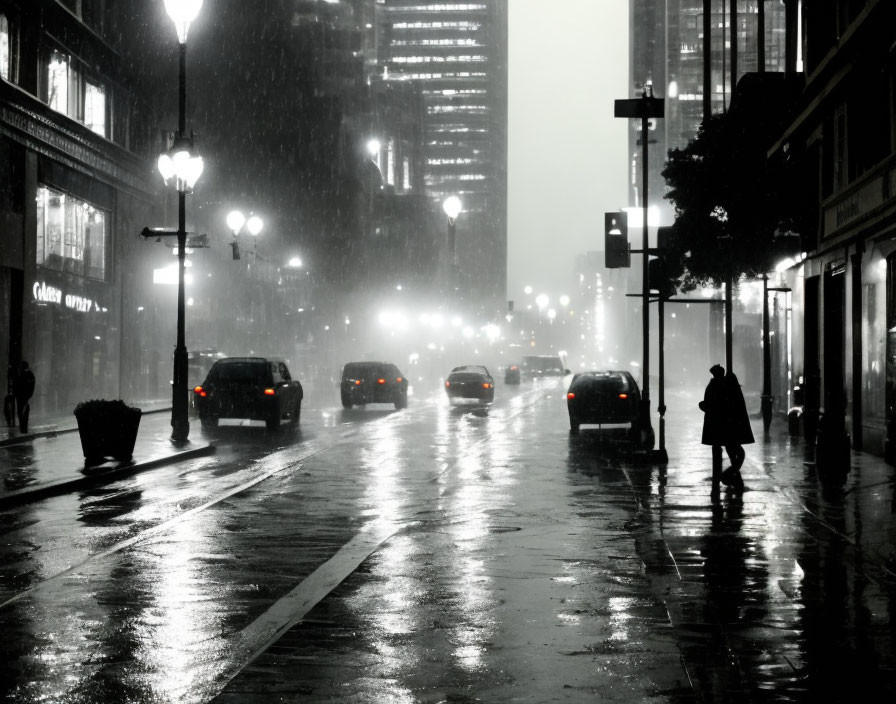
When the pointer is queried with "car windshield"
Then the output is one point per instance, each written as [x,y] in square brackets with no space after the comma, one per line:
[543,364]
[243,370]
[470,369]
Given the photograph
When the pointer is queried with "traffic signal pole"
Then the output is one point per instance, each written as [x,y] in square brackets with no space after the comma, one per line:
[645,108]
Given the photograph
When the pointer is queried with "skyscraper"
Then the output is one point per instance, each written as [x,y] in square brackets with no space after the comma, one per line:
[667,52]
[457,53]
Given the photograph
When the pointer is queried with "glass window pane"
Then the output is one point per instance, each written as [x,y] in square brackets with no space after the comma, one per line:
[57,83]
[95,108]
[71,235]
[4,48]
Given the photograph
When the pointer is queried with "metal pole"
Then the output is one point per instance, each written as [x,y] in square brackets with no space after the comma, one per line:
[707,58]
[180,423]
[766,359]
[760,36]
[733,47]
[645,287]
[662,371]
[729,331]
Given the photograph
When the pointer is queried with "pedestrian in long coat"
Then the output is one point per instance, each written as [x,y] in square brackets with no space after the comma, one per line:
[725,424]
[23,389]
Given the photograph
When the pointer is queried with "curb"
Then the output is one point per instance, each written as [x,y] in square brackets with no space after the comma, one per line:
[22,439]
[65,486]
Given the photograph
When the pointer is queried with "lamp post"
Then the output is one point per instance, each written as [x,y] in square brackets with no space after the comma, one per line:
[182,164]
[235,223]
[452,207]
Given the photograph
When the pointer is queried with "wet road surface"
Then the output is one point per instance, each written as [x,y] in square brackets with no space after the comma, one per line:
[450,554]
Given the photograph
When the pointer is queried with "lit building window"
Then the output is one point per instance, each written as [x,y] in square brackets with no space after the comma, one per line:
[5,54]
[95,108]
[71,235]
[406,179]
[390,163]
[57,83]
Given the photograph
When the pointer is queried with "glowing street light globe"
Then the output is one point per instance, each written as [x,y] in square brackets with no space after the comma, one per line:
[254,225]
[564,300]
[373,147]
[542,300]
[182,13]
[452,207]
[295,263]
[528,290]
[235,220]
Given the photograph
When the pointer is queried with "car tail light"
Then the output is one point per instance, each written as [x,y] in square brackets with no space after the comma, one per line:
[623,396]
[270,392]
[399,379]
[570,395]
[357,382]
[486,386]
[514,368]
[200,391]
[380,381]
[447,383]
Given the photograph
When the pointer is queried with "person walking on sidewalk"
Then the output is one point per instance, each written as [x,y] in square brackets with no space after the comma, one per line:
[739,431]
[23,389]
[9,401]
[725,424]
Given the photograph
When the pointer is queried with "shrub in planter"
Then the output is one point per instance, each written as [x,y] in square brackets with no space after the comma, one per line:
[107,429]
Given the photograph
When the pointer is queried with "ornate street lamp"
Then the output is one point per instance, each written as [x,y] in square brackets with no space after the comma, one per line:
[452,207]
[182,164]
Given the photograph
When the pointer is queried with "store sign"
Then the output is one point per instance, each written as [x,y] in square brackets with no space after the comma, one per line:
[44,293]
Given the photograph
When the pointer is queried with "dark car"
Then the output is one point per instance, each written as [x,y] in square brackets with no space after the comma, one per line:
[542,365]
[240,389]
[470,382]
[610,400]
[512,374]
[373,382]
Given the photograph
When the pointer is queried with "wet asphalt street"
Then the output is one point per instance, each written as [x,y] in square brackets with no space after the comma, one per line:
[452,554]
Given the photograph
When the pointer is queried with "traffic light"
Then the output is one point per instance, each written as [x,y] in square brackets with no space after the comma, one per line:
[658,278]
[616,252]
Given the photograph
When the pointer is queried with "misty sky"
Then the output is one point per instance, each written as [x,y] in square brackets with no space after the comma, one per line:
[567,154]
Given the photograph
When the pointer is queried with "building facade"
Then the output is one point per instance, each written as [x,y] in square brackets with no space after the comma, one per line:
[843,127]
[457,54]
[76,187]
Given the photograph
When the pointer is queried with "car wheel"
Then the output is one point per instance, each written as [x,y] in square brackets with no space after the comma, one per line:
[401,402]
[296,414]
[573,426]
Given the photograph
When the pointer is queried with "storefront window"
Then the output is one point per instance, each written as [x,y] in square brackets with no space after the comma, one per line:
[71,235]
[5,54]
[95,108]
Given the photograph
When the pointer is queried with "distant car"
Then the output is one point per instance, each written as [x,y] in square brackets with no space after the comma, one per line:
[540,366]
[512,374]
[373,382]
[608,399]
[470,382]
[239,389]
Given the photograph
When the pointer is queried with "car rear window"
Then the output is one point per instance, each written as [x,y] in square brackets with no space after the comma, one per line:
[254,371]
[361,370]
[607,381]
[470,369]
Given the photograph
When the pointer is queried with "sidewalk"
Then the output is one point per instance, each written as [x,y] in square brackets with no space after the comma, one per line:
[45,426]
[50,460]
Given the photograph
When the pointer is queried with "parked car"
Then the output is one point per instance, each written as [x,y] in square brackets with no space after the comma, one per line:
[543,365]
[608,399]
[470,382]
[512,374]
[239,389]
[373,382]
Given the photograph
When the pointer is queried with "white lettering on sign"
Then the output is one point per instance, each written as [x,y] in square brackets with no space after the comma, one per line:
[46,294]
[50,294]
[82,305]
